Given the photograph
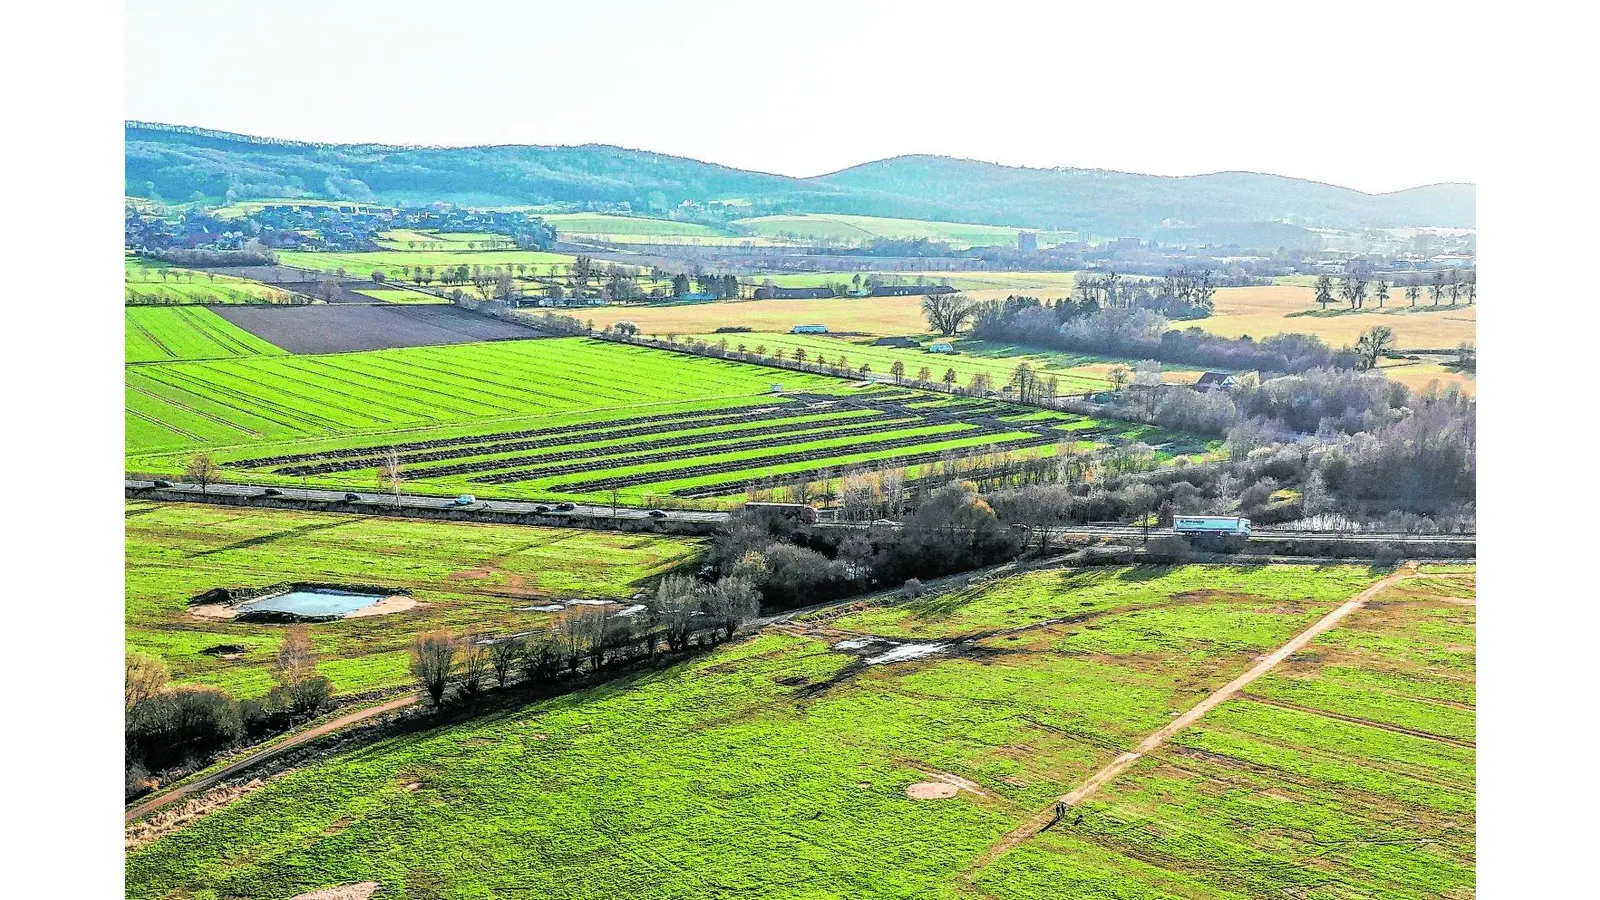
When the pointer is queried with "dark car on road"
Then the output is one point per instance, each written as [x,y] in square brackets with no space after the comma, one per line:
[657,514]
[351,498]
[272,492]
[566,507]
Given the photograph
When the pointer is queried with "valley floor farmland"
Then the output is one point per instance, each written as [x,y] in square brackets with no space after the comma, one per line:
[780,766]
[466,577]
[566,418]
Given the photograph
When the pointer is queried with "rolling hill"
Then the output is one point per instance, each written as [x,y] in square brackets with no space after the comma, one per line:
[176,164]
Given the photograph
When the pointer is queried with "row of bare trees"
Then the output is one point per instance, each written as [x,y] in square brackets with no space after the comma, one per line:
[1353,288]
[682,612]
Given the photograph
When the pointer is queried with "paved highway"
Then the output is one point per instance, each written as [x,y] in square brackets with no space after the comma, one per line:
[313,496]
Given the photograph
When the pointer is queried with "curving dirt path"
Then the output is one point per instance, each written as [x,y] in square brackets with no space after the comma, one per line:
[154,803]
[1119,765]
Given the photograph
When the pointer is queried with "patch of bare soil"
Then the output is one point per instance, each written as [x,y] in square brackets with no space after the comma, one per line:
[213,611]
[392,604]
[931,790]
[147,831]
[345,328]
[361,890]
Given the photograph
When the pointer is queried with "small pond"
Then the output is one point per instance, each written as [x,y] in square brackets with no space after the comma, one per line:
[312,602]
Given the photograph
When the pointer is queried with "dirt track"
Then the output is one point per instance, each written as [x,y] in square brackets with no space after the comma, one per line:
[151,804]
[1040,820]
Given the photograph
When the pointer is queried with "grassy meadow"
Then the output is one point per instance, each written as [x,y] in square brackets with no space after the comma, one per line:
[1347,771]
[465,575]
[399,295]
[778,766]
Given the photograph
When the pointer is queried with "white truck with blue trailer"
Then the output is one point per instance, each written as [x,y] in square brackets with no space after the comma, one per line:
[1213,532]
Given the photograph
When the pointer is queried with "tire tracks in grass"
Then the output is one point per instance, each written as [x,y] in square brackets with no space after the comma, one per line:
[1042,819]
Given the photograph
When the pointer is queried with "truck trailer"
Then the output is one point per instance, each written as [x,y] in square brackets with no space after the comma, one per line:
[1232,525]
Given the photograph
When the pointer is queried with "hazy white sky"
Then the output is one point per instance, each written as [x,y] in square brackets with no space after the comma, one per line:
[1375,96]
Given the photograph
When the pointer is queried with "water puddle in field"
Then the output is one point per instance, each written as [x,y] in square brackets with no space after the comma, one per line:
[299,602]
[548,607]
[633,610]
[905,652]
[894,652]
[312,602]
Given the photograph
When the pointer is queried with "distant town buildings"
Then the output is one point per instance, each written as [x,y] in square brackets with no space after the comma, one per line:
[1028,241]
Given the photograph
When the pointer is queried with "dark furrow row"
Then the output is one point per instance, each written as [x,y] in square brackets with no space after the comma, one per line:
[714,468]
[742,414]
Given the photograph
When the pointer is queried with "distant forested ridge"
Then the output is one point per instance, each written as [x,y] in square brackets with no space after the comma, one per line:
[177,164]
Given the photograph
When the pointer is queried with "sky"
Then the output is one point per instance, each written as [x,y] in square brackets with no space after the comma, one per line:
[1374,96]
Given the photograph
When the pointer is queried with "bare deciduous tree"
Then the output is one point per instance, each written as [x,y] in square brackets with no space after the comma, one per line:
[474,664]
[433,656]
[1373,343]
[1324,291]
[673,609]
[204,471]
[947,312]
[731,602]
[391,474]
[504,655]
[144,678]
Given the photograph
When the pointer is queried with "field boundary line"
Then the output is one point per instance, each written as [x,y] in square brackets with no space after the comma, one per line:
[1152,742]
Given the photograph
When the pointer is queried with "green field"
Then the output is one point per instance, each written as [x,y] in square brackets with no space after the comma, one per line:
[362,265]
[563,418]
[162,334]
[1347,772]
[465,575]
[1075,373]
[778,766]
[399,295]
[828,227]
[146,282]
